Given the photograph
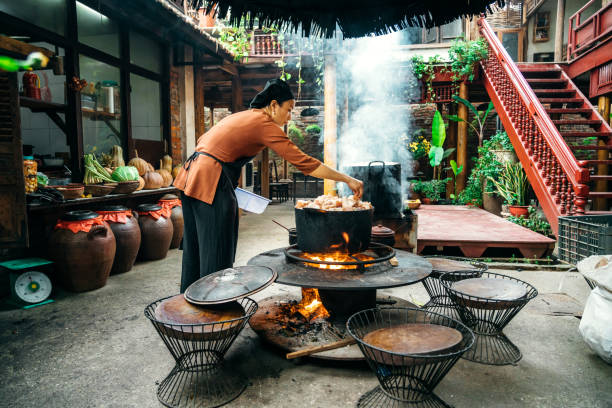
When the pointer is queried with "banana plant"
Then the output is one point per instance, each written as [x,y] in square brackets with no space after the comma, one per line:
[437,153]
[479,117]
[34,59]
[456,171]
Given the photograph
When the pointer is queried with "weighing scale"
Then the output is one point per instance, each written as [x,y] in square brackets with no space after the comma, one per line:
[30,285]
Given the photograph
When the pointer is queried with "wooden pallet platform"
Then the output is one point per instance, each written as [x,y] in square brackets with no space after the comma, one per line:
[474,230]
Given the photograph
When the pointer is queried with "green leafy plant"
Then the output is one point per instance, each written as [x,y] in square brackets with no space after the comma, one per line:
[431,189]
[456,171]
[295,134]
[419,146]
[512,185]
[313,129]
[437,153]
[425,70]
[238,39]
[479,117]
[499,141]
[534,222]
[464,56]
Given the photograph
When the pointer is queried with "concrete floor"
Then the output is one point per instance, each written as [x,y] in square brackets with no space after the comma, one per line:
[97,349]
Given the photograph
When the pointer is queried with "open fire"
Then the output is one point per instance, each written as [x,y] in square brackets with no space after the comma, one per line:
[310,307]
[335,257]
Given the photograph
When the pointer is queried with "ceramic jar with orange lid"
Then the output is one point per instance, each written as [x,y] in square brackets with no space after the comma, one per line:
[125,226]
[83,249]
[155,230]
[172,205]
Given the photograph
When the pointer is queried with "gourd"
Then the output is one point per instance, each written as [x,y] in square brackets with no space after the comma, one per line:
[141,165]
[175,171]
[141,183]
[165,175]
[152,180]
[117,156]
[166,163]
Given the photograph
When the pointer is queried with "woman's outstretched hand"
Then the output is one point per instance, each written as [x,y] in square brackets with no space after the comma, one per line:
[356,186]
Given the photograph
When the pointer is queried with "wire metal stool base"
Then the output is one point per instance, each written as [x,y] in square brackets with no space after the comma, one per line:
[200,387]
[377,398]
[442,305]
[493,349]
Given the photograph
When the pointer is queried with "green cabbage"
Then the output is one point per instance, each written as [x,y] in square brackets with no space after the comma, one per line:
[125,173]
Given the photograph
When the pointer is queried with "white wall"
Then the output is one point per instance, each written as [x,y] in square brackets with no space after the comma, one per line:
[571,7]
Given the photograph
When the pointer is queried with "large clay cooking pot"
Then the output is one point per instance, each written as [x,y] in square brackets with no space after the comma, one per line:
[127,235]
[173,203]
[83,248]
[156,232]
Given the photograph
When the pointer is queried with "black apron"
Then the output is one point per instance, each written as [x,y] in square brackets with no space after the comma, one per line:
[210,232]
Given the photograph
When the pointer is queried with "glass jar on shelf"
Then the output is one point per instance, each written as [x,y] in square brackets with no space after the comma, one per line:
[30,168]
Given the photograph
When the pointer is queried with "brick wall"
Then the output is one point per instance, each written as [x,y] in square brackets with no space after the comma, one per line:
[178,144]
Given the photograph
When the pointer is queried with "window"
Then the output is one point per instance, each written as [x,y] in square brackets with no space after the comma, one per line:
[100,106]
[97,30]
[145,101]
[145,52]
[47,14]
[444,33]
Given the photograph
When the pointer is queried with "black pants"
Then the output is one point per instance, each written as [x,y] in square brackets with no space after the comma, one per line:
[210,234]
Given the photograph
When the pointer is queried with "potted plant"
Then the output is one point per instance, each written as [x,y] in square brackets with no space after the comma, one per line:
[431,190]
[419,147]
[512,187]
[501,147]
[533,221]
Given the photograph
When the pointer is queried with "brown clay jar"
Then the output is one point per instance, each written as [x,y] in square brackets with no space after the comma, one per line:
[83,249]
[155,231]
[176,216]
[125,227]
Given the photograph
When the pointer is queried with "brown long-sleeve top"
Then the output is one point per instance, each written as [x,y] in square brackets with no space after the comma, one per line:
[239,135]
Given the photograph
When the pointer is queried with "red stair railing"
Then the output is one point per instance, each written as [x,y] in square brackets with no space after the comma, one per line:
[556,177]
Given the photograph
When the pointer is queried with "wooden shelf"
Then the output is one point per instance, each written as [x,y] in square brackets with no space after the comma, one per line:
[38,105]
[110,198]
[100,115]
[50,108]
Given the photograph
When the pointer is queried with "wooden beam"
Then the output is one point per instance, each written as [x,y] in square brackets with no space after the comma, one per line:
[601,204]
[229,68]
[237,103]
[23,48]
[217,83]
[200,122]
[265,173]
[330,125]
[559,30]
[462,137]
[451,140]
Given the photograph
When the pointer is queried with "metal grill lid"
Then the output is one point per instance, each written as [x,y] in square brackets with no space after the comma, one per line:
[229,284]
[379,231]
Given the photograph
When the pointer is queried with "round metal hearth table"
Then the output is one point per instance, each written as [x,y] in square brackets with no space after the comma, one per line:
[460,268]
[486,305]
[199,378]
[411,269]
[274,328]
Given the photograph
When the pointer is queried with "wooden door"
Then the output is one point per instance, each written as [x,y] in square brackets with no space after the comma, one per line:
[13,224]
[513,41]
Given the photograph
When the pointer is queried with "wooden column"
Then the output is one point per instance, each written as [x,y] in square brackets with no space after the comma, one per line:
[200,122]
[600,204]
[451,140]
[237,103]
[559,30]
[462,136]
[265,173]
[330,126]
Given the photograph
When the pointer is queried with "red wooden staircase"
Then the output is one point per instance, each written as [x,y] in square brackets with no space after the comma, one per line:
[559,137]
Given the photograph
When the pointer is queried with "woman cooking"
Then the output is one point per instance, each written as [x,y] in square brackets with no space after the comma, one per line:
[210,175]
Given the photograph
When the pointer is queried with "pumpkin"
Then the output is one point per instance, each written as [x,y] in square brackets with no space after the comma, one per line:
[141,165]
[141,183]
[166,163]
[175,171]
[166,175]
[152,180]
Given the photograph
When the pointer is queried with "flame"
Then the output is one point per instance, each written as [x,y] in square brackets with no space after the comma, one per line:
[311,306]
[345,236]
[334,257]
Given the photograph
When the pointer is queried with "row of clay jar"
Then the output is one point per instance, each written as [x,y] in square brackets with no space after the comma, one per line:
[88,246]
